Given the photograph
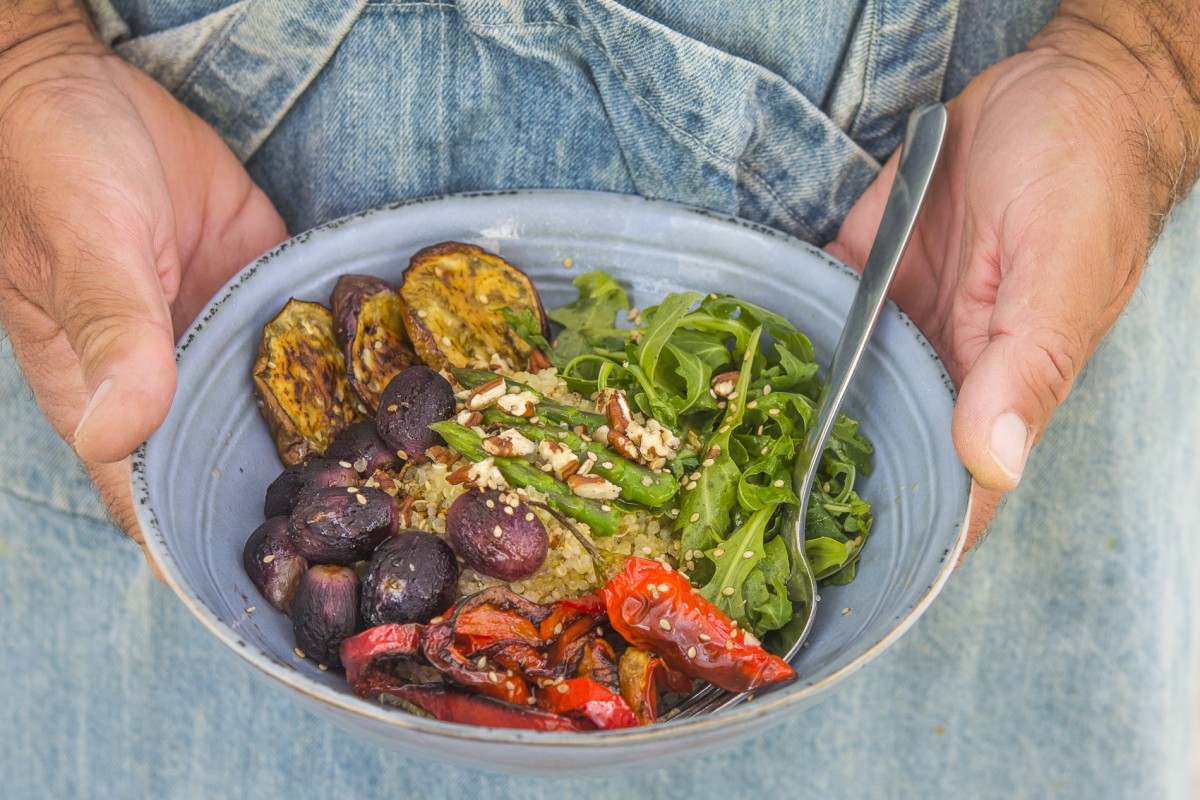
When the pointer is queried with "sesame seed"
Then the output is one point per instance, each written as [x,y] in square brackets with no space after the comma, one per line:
[299,653]
[531,701]
[846,610]
[733,395]
[605,507]
[558,629]
[323,667]
[664,623]
[568,262]
[491,504]
[752,404]
[482,662]
[708,462]
[729,644]
[412,567]
[345,464]
[446,340]
[250,609]
[361,498]
[662,587]
[691,652]
[704,637]
[607,465]
[493,677]
[728,591]
[778,484]
[393,407]
[748,554]
[529,517]
[268,558]
[437,619]
[647,550]
[774,412]
[767,389]
[508,510]
[695,517]
[647,480]
[497,531]
[422,313]
[563,688]
[723,429]
[718,552]
[510,685]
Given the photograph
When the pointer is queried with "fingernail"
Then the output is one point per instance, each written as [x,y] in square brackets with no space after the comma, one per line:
[97,398]
[1010,444]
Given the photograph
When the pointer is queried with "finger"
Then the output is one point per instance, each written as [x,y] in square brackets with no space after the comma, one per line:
[1060,286]
[116,319]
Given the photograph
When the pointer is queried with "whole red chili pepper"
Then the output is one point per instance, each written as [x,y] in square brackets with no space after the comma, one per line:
[584,698]
[656,609]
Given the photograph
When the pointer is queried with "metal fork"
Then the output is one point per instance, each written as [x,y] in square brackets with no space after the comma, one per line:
[922,143]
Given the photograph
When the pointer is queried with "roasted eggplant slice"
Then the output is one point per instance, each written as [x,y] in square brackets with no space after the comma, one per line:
[453,295]
[300,382]
[368,318]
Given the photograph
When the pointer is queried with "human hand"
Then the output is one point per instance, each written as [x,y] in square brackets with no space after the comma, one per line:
[122,214]
[1058,168]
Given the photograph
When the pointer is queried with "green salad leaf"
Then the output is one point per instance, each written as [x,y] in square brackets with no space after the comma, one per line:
[739,451]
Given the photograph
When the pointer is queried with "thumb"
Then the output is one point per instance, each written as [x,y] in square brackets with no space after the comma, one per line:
[117,322]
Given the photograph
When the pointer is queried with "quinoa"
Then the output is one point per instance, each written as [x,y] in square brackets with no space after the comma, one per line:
[568,570]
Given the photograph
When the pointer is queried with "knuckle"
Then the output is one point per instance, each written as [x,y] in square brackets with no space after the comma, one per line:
[1053,367]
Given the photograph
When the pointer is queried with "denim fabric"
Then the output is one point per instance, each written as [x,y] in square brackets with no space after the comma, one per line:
[1059,662]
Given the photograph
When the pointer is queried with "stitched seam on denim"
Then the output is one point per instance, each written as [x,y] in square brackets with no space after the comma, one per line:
[870,72]
[56,508]
[770,190]
[622,76]
[213,49]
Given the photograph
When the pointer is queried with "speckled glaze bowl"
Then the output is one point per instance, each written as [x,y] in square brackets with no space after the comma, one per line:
[199,481]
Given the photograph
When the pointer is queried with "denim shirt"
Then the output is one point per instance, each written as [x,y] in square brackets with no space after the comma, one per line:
[779,112]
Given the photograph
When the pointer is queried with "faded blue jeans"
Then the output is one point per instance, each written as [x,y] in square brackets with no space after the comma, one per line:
[1059,662]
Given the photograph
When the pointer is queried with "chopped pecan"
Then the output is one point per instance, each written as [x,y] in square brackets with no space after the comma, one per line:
[613,404]
[593,487]
[623,445]
[538,361]
[486,394]
[442,455]
[521,404]
[723,385]
[509,443]
[559,458]
[460,475]
[469,418]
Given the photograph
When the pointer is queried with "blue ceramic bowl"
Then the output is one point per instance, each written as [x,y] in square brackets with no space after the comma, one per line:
[199,481]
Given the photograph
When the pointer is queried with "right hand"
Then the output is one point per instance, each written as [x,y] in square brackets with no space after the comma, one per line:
[122,214]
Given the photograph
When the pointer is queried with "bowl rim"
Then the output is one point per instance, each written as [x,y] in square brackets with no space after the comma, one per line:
[768,706]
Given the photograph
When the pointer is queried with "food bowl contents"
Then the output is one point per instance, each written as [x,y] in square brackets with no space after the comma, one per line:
[554,535]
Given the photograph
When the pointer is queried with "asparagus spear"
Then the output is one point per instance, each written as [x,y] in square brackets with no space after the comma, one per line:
[519,472]
[637,484]
[549,410]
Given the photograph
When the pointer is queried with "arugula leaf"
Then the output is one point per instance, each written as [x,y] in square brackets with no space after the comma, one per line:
[734,559]
[529,328]
[588,320]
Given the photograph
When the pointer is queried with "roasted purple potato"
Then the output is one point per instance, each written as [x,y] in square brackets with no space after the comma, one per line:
[272,563]
[325,612]
[368,322]
[341,526]
[414,400]
[411,578]
[319,473]
[359,446]
[504,540]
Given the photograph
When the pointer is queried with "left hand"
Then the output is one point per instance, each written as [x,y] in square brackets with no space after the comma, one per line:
[1034,234]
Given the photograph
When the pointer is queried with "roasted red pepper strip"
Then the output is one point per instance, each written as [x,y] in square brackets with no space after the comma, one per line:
[441,646]
[599,663]
[638,686]
[371,656]
[654,608]
[455,705]
[583,697]
[566,632]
